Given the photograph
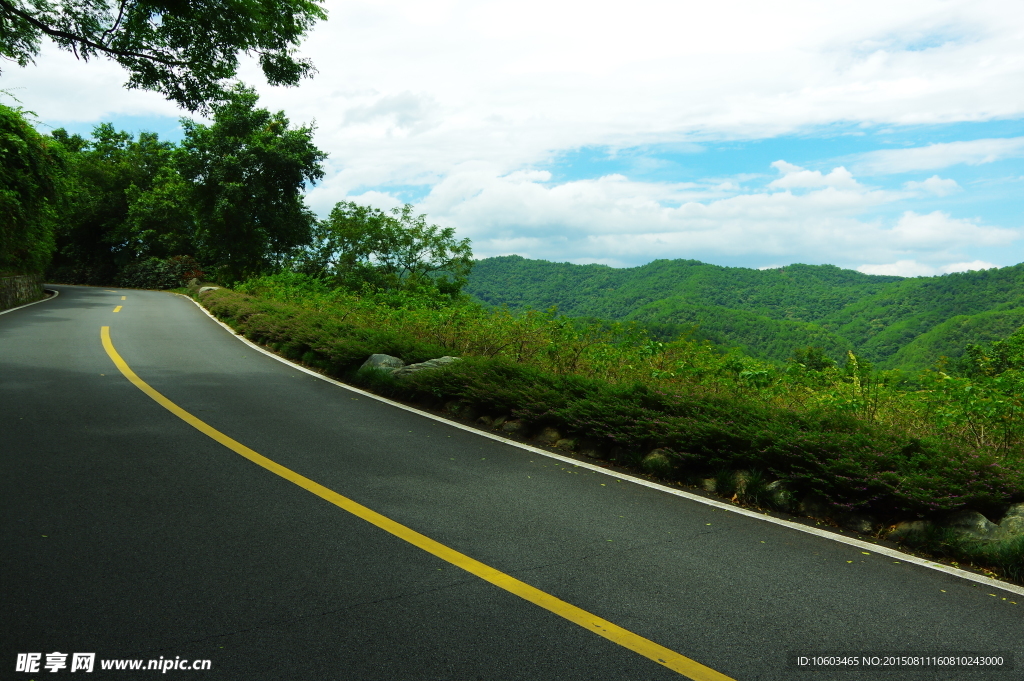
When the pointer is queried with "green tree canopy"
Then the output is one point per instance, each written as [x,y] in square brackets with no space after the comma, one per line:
[184,50]
[248,171]
[123,200]
[30,170]
[389,250]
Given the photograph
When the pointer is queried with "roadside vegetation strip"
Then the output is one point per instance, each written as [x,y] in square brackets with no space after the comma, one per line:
[614,633]
[622,397]
[825,534]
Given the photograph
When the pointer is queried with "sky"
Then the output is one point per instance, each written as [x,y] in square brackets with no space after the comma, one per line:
[886,137]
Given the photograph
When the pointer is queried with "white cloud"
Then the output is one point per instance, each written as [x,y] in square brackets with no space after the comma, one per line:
[912,268]
[795,177]
[616,219]
[409,89]
[938,230]
[934,156]
[933,185]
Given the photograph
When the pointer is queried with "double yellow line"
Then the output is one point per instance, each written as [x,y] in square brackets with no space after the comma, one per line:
[602,627]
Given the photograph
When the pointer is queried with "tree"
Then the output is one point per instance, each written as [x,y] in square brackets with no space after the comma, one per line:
[389,250]
[119,205]
[185,50]
[248,171]
[30,170]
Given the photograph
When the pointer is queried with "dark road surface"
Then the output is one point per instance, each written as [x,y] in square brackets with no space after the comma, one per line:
[129,534]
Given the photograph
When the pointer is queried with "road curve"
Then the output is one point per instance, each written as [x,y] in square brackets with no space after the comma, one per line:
[131,534]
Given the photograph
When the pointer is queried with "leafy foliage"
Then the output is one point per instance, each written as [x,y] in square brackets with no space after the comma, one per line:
[184,50]
[154,273]
[30,170]
[230,196]
[359,245]
[248,172]
[103,225]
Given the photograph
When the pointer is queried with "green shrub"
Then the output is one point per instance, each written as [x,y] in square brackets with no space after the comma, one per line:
[154,273]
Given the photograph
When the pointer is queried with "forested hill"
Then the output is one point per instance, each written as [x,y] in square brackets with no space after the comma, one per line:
[890,320]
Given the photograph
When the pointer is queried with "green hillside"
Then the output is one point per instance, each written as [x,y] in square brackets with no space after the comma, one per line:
[798,292]
[756,334]
[883,324]
[892,321]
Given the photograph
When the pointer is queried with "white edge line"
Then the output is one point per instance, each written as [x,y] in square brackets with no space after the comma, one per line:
[36,302]
[850,541]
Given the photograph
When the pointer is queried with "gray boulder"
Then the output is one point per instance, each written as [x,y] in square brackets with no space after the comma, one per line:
[658,462]
[967,524]
[208,288]
[382,362]
[513,426]
[972,525]
[1013,522]
[909,528]
[411,369]
[781,496]
[549,436]
[863,524]
[815,506]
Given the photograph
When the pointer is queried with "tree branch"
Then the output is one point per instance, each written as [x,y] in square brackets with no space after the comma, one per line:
[52,32]
[120,15]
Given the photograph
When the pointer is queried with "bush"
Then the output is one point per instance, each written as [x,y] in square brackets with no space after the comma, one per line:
[155,273]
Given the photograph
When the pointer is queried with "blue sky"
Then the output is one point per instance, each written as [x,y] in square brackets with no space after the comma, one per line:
[886,137]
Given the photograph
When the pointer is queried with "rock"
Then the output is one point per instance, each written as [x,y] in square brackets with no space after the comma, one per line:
[740,480]
[208,288]
[590,447]
[512,427]
[971,524]
[566,443]
[780,496]
[968,524]
[908,528]
[452,406]
[814,506]
[382,362]
[549,436]
[485,420]
[411,369]
[657,462]
[1013,522]
[708,484]
[499,421]
[858,523]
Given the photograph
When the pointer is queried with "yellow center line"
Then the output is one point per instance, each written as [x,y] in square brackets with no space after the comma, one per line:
[623,637]
[117,309]
[124,297]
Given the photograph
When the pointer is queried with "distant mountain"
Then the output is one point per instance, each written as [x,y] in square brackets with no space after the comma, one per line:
[892,321]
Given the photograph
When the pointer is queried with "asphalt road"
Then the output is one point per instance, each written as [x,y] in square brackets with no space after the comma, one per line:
[130,534]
